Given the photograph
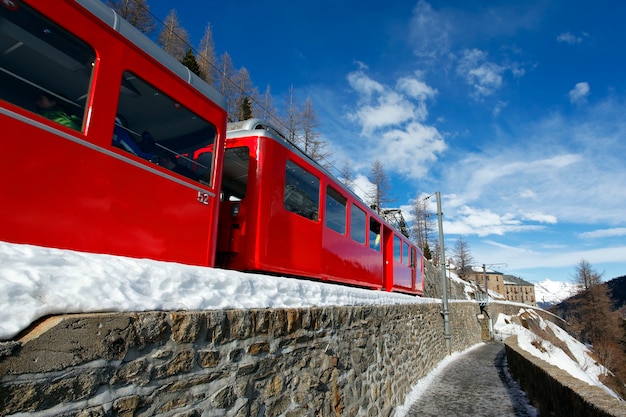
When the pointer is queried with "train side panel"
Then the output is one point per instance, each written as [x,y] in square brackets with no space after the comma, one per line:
[296,220]
[68,185]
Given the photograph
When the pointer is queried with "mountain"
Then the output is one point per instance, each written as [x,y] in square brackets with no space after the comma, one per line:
[549,293]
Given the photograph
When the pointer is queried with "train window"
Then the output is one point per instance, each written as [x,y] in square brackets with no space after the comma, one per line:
[374,234]
[335,211]
[302,190]
[235,177]
[397,248]
[152,125]
[43,68]
[405,254]
[413,258]
[357,224]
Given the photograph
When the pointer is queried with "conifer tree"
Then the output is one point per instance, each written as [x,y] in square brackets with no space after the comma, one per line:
[189,60]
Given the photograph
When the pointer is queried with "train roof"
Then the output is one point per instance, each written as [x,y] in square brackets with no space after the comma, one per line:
[120,25]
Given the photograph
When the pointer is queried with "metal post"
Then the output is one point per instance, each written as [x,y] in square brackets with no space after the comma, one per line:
[444,278]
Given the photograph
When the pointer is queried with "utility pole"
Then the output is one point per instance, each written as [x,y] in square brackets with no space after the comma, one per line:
[444,278]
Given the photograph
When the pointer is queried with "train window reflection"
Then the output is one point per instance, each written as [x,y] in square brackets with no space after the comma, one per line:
[374,236]
[153,126]
[302,191]
[357,224]
[335,211]
[397,248]
[44,68]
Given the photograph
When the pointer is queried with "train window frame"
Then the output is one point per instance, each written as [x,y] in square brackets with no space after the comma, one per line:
[397,248]
[374,235]
[45,69]
[156,127]
[405,254]
[235,173]
[336,210]
[301,191]
[358,223]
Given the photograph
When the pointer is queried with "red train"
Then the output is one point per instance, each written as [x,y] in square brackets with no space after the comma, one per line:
[283,213]
[112,146]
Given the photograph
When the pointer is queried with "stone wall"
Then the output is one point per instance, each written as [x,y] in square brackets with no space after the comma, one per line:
[555,392]
[332,361]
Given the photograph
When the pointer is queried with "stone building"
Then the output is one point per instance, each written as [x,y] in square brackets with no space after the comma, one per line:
[519,291]
[486,279]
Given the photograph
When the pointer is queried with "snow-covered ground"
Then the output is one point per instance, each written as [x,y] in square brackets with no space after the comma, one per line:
[36,281]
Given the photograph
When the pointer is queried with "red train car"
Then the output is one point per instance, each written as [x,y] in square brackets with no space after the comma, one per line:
[283,213]
[100,128]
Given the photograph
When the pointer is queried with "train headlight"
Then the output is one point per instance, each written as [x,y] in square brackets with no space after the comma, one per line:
[234,210]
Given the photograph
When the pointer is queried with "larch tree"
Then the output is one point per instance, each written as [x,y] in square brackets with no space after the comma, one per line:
[136,12]
[292,121]
[462,257]
[422,226]
[380,193]
[173,37]
[346,175]
[227,87]
[242,96]
[313,146]
[264,107]
[592,316]
[207,60]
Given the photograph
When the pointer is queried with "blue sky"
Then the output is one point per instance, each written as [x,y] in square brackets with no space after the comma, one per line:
[515,111]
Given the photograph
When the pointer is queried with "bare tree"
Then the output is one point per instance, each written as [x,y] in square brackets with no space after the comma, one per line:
[380,193]
[313,146]
[292,121]
[136,12]
[242,96]
[227,87]
[462,257]
[264,107]
[207,60]
[173,38]
[346,176]
[585,276]
[422,226]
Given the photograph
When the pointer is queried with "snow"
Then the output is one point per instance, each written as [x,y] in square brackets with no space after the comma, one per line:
[553,292]
[36,281]
[583,367]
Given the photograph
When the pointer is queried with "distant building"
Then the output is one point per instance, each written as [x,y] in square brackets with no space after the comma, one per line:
[486,279]
[511,288]
[519,290]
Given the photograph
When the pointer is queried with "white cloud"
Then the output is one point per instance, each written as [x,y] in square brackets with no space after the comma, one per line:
[430,31]
[540,217]
[392,123]
[484,222]
[407,149]
[567,37]
[579,93]
[364,85]
[604,233]
[483,76]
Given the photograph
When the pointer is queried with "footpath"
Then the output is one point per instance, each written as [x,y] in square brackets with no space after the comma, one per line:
[476,384]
